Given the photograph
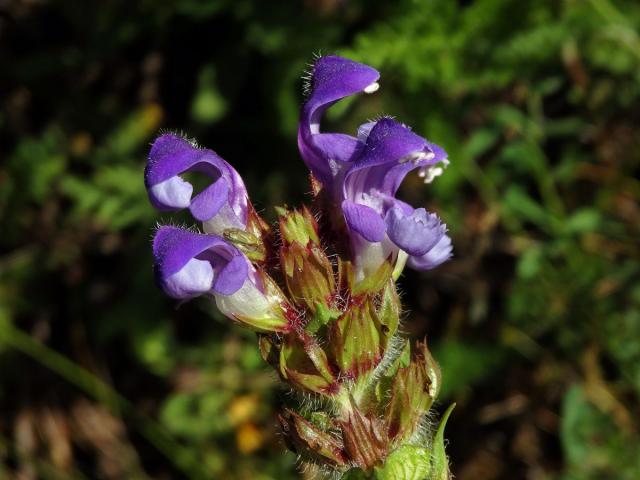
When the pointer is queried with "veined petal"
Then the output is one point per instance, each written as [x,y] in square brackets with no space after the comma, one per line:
[416,233]
[332,78]
[439,254]
[259,304]
[189,264]
[337,149]
[171,156]
[364,130]
[223,220]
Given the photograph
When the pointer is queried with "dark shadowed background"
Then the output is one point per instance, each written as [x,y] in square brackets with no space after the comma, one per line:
[535,322]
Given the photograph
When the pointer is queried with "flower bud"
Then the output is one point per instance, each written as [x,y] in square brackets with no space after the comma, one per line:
[306,438]
[356,339]
[307,270]
[414,389]
[389,312]
[365,439]
[298,226]
[304,364]
[247,243]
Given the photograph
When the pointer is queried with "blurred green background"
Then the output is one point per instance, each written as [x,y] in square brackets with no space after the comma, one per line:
[536,321]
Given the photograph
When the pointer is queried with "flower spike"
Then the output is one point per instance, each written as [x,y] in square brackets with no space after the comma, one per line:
[320,287]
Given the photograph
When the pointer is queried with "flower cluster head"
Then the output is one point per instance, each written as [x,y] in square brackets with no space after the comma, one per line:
[331,327]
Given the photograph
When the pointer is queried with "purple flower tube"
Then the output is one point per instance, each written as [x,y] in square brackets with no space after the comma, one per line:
[327,154]
[189,264]
[222,205]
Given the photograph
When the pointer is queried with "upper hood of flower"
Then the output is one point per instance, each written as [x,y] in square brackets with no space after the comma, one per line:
[172,156]
[332,78]
[390,151]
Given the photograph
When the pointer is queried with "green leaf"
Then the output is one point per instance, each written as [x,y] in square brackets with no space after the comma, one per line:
[406,463]
[594,446]
[480,141]
[208,104]
[518,203]
[530,262]
[583,221]
[440,465]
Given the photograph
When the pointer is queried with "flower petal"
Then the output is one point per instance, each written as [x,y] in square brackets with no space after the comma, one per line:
[391,151]
[369,256]
[335,77]
[332,78]
[173,193]
[364,130]
[231,276]
[416,233]
[364,220]
[251,306]
[194,279]
[209,201]
[171,156]
[181,259]
[439,254]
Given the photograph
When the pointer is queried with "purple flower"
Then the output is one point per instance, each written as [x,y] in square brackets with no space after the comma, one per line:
[332,78]
[381,225]
[221,205]
[189,264]
[363,173]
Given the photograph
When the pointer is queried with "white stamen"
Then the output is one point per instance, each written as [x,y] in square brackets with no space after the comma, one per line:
[372,199]
[417,157]
[372,87]
[430,173]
